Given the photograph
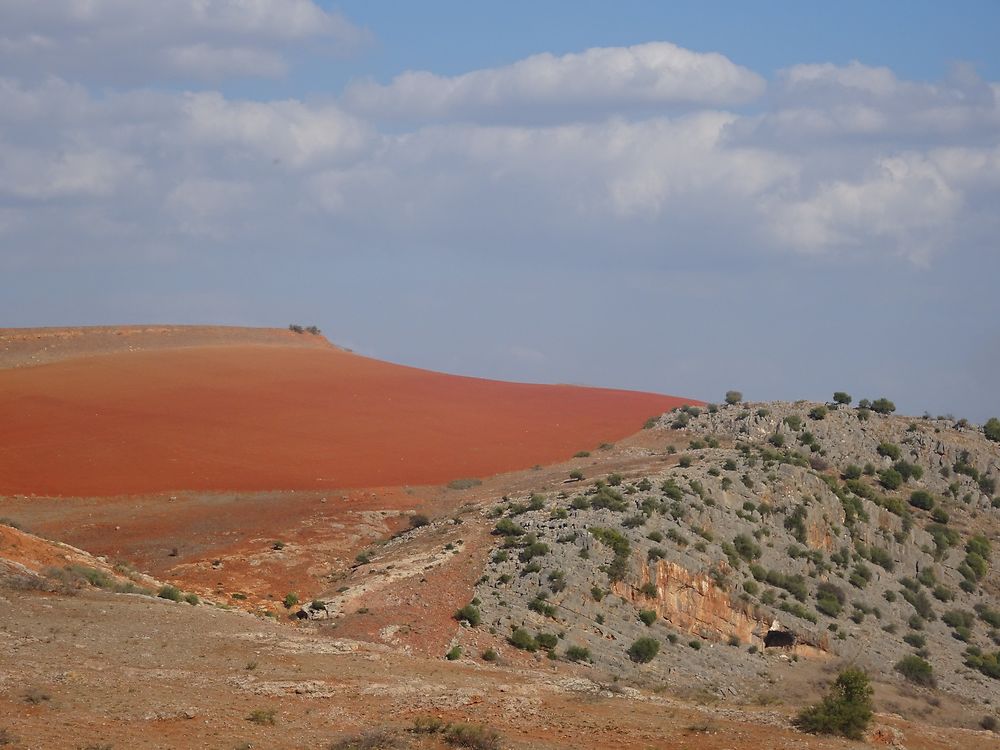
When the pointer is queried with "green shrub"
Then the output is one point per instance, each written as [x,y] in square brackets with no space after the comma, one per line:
[992,429]
[746,548]
[733,397]
[506,527]
[419,519]
[548,641]
[454,653]
[170,592]
[620,546]
[643,650]
[648,590]
[464,483]
[888,450]
[648,617]
[916,670]
[818,412]
[578,653]
[842,398]
[890,479]
[883,406]
[908,471]
[990,616]
[473,736]
[290,600]
[489,655]
[988,664]
[533,550]
[523,640]
[919,601]
[263,717]
[830,599]
[852,472]
[956,618]
[470,614]
[846,710]
[372,739]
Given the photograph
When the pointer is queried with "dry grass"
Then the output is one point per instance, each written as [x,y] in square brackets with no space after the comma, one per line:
[373,739]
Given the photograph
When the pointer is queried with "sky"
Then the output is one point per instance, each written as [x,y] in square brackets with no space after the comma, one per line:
[783,198]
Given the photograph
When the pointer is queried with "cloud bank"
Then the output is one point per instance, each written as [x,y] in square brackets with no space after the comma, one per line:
[596,80]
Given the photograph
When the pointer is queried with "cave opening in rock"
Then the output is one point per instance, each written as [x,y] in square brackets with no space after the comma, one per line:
[779,639]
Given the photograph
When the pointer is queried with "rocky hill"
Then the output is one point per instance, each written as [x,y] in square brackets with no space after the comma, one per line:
[817,533]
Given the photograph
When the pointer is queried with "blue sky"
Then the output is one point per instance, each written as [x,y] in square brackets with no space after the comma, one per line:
[784,198]
[917,38]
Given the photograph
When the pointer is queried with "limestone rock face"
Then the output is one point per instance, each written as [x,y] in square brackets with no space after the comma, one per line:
[692,602]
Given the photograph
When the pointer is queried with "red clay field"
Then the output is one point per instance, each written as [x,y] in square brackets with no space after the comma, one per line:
[258,417]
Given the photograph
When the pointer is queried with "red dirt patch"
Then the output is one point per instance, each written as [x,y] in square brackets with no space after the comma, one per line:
[264,417]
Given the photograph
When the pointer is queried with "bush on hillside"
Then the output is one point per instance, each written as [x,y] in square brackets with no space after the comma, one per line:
[883,406]
[992,429]
[916,670]
[846,710]
[644,650]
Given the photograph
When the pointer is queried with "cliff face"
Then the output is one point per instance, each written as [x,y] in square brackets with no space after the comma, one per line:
[692,602]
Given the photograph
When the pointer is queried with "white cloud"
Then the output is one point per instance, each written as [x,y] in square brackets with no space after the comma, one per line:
[209,207]
[158,171]
[78,172]
[903,205]
[205,61]
[853,76]
[288,132]
[135,40]
[599,79]
[859,101]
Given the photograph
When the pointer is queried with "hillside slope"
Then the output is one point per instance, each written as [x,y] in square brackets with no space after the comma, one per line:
[258,417]
[866,540]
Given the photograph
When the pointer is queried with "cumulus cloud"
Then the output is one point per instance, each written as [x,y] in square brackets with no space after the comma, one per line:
[134,40]
[903,204]
[656,74]
[76,172]
[833,160]
[863,102]
[280,131]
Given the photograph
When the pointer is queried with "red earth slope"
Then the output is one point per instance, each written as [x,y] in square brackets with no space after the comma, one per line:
[253,417]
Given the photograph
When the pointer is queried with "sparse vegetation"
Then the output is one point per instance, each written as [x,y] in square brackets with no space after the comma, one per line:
[263,717]
[170,592]
[846,710]
[644,650]
[470,614]
[992,429]
[373,739]
[464,484]
[916,670]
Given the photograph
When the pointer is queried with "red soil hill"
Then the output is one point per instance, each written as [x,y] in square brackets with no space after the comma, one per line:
[255,417]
